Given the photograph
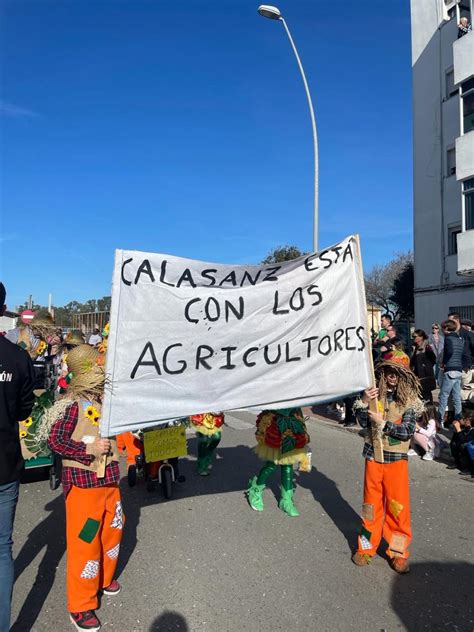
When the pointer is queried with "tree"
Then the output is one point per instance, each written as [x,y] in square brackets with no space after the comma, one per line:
[283,253]
[402,295]
[380,280]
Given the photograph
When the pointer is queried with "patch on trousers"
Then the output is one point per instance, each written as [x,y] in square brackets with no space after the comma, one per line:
[89,530]
[90,570]
[398,543]
[364,543]
[117,522]
[365,533]
[392,441]
[368,512]
[113,552]
[395,508]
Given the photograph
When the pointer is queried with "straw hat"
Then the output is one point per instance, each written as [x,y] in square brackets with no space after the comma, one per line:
[73,338]
[42,324]
[87,375]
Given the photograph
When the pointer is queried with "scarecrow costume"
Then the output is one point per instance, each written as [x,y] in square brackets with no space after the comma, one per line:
[386,506]
[281,440]
[34,340]
[208,429]
[94,516]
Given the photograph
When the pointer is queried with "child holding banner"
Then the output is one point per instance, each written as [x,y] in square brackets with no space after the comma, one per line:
[281,439]
[90,477]
[208,429]
[386,508]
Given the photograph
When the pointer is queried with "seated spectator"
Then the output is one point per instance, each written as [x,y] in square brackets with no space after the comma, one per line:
[95,338]
[462,437]
[464,27]
[425,436]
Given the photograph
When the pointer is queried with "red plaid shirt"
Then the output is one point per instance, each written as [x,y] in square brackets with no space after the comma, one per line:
[61,442]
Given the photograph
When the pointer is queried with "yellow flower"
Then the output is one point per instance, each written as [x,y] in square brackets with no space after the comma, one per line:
[41,348]
[93,414]
[23,434]
[106,329]
[89,412]
[27,422]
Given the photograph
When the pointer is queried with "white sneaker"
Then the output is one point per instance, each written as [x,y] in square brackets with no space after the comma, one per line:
[412,452]
[427,456]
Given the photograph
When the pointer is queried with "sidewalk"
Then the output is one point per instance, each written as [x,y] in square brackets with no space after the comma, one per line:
[322,415]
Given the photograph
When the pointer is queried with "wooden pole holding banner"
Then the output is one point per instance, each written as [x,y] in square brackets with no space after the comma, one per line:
[374,429]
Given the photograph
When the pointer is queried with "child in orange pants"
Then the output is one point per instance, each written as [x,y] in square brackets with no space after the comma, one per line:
[92,551]
[90,478]
[386,507]
[127,442]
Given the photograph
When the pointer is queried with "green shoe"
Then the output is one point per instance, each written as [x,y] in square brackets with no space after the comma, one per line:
[255,494]
[203,466]
[286,503]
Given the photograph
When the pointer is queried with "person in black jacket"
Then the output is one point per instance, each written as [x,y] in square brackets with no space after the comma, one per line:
[422,364]
[17,378]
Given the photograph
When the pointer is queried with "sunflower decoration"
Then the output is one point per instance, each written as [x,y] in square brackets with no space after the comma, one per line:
[105,331]
[27,422]
[93,415]
[23,434]
[41,348]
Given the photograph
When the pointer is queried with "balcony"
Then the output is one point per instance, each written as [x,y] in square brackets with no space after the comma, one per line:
[466,253]
[465,155]
[463,54]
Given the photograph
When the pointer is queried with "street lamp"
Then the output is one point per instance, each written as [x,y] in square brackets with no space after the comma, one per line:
[273,13]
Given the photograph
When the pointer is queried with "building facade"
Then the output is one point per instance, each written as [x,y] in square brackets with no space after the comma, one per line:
[443,152]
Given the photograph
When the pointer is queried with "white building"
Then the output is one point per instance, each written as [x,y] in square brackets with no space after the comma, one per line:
[443,150]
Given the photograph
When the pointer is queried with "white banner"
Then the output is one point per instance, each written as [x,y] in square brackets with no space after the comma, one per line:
[188,337]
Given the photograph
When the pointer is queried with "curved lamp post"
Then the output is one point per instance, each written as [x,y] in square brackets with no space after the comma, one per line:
[273,13]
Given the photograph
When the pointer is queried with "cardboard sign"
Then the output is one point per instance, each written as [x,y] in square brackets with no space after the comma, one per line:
[188,337]
[165,443]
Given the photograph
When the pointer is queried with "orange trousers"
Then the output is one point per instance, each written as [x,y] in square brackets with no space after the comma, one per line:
[386,509]
[127,441]
[94,522]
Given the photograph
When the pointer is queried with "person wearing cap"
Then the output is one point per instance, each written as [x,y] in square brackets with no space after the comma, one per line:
[386,504]
[90,478]
[17,379]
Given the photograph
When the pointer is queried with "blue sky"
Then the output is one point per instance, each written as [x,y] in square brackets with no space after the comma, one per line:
[183,128]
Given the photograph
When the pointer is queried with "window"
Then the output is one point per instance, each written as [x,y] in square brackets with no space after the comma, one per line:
[453,232]
[464,311]
[451,89]
[468,192]
[451,162]
[467,94]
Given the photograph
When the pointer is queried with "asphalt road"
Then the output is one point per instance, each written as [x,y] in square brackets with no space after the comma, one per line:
[205,562]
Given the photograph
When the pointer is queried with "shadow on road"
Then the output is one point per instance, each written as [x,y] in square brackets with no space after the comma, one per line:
[169,622]
[46,539]
[327,494]
[231,472]
[435,596]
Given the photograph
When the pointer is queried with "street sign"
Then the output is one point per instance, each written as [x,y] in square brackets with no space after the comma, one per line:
[27,316]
